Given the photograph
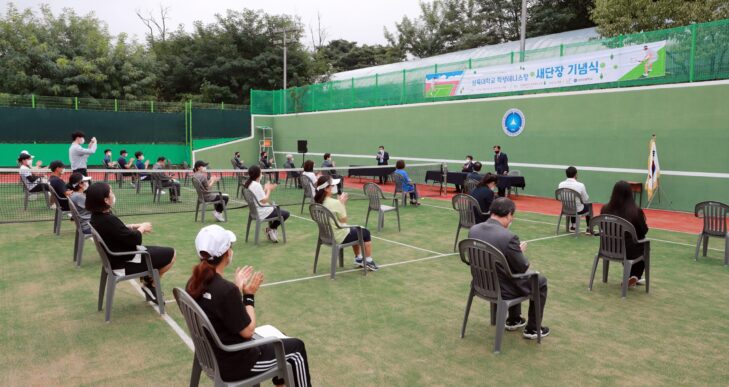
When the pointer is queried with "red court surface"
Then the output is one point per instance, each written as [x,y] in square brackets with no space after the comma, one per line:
[658,219]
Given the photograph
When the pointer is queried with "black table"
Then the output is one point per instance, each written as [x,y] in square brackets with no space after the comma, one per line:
[459,178]
[369,172]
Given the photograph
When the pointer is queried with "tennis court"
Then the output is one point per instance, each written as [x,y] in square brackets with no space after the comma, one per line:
[398,326]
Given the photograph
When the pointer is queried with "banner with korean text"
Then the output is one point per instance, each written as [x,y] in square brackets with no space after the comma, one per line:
[611,65]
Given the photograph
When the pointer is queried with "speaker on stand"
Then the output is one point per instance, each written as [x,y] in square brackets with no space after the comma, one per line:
[303,148]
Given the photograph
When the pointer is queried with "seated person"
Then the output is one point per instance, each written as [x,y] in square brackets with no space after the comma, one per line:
[495,231]
[141,164]
[474,174]
[324,188]
[407,185]
[120,237]
[572,183]
[468,168]
[265,163]
[230,308]
[289,164]
[237,162]
[309,172]
[484,195]
[62,190]
[166,180]
[263,195]
[122,163]
[200,174]
[79,184]
[32,182]
[108,164]
[622,204]
[328,163]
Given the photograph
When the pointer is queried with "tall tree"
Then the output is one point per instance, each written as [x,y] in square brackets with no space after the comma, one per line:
[616,17]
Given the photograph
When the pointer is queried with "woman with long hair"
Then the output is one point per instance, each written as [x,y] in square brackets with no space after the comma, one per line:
[407,185]
[309,171]
[120,237]
[263,194]
[623,205]
[230,308]
[324,188]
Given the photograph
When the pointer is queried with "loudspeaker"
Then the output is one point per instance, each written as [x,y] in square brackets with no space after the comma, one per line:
[303,146]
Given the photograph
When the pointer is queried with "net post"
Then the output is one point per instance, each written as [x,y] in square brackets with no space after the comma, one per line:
[692,57]
[444,182]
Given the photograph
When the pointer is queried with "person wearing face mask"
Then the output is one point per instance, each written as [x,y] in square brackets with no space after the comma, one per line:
[33,182]
[382,158]
[200,174]
[495,232]
[141,164]
[324,190]
[501,165]
[467,168]
[120,237]
[263,195]
[79,155]
[230,307]
[79,184]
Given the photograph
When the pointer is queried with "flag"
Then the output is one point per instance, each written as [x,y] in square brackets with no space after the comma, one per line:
[654,169]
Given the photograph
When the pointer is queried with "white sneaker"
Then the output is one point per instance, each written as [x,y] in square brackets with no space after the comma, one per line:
[273,235]
[163,193]
[219,216]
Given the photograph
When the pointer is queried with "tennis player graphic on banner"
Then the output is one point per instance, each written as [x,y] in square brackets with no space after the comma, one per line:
[654,169]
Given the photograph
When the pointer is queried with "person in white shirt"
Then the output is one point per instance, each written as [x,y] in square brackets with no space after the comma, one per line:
[309,171]
[572,183]
[79,155]
[263,195]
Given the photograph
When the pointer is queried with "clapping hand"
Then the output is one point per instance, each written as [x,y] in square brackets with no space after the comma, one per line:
[523,247]
[247,281]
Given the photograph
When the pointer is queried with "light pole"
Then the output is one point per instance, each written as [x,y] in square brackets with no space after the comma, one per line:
[284,31]
[522,42]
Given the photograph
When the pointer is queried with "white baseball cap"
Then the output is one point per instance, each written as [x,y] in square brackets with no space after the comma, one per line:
[326,184]
[25,152]
[214,240]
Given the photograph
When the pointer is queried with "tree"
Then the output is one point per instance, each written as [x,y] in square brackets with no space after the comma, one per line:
[617,17]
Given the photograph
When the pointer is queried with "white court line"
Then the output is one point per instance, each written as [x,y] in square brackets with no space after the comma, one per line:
[172,323]
[680,243]
[380,238]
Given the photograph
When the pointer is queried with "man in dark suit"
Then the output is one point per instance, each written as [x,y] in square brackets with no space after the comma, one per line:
[495,231]
[382,159]
[501,164]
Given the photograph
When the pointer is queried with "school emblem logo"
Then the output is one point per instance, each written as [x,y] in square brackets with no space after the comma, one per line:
[513,122]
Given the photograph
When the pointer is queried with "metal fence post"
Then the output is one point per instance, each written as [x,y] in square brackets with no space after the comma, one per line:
[404,82]
[75,103]
[512,57]
[116,105]
[692,58]
[32,100]
[151,106]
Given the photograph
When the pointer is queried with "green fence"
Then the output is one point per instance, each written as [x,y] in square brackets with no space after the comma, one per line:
[698,52]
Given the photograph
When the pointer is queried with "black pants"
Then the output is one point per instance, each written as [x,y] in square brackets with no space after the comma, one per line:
[515,311]
[40,187]
[219,207]
[383,178]
[81,171]
[295,355]
[274,225]
[174,188]
[637,269]
[586,210]
[161,257]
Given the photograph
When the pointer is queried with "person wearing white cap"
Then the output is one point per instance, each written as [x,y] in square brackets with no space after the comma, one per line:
[234,317]
[78,184]
[263,195]
[34,183]
[324,189]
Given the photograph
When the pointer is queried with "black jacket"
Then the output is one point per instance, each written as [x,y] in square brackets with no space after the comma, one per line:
[501,163]
[385,158]
[117,236]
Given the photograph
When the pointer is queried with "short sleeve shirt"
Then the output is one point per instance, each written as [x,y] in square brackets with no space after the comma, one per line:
[339,211]
[222,303]
[257,189]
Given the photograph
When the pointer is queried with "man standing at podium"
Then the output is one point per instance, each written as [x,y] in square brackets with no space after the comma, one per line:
[501,165]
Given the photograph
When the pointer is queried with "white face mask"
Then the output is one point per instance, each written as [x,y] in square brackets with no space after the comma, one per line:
[468,161]
[83,140]
[84,187]
[334,190]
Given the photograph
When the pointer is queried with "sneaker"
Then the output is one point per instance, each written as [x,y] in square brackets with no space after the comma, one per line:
[640,282]
[573,228]
[133,185]
[358,262]
[273,235]
[163,193]
[531,334]
[219,216]
[632,281]
[514,325]
[372,266]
